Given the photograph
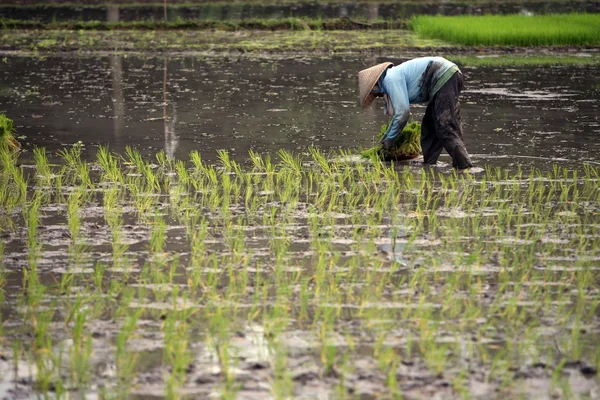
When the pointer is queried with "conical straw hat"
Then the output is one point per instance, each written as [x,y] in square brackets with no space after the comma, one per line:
[367,78]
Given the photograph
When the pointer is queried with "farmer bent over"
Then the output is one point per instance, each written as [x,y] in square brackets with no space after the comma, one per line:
[426,79]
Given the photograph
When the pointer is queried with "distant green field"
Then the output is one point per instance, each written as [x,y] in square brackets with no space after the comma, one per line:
[511,30]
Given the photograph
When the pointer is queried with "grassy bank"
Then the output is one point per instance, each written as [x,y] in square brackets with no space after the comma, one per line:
[246,41]
[512,30]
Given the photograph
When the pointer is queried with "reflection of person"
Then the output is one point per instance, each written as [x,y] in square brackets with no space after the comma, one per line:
[426,79]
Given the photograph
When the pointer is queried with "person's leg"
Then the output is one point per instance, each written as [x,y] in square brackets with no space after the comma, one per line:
[430,144]
[446,116]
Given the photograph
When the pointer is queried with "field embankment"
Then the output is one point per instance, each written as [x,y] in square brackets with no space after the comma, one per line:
[540,39]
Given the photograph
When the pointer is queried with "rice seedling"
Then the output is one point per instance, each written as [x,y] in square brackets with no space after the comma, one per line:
[229,165]
[407,146]
[283,386]
[288,160]
[511,30]
[8,140]
[47,359]
[74,204]
[125,359]
[110,166]
[44,174]
[415,268]
[72,155]
[218,339]
[80,352]
[177,352]
[164,161]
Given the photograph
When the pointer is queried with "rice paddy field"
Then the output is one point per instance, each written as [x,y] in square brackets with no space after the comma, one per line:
[164,241]
[511,30]
[315,276]
[185,212]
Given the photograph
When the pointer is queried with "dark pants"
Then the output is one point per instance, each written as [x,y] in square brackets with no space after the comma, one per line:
[441,128]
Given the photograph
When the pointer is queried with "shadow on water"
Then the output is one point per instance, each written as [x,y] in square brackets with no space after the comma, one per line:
[511,116]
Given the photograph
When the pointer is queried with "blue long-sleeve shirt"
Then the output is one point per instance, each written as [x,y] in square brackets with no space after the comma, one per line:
[413,81]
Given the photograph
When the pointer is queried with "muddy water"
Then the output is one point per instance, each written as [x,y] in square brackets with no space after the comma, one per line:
[511,116]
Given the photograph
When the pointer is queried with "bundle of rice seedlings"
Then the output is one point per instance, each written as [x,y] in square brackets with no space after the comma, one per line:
[7,134]
[407,146]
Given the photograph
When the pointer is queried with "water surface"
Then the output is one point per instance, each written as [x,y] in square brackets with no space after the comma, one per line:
[511,116]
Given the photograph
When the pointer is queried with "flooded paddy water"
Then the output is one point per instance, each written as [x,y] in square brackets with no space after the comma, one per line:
[213,236]
[188,103]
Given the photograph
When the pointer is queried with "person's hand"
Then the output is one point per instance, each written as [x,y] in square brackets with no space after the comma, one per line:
[387,144]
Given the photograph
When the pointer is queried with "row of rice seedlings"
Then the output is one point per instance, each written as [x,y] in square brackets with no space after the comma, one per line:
[50,360]
[176,349]
[125,359]
[44,356]
[75,201]
[43,171]
[113,215]
[13,191]
[80,351]
[511,30]
[47,358]
[383,192]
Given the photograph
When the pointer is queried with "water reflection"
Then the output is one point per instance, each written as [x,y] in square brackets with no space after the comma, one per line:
[171,140]
[116,66]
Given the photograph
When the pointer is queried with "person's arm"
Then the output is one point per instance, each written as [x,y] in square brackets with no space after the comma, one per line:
[398,95]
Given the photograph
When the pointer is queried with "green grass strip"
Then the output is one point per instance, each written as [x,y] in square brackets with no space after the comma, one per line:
[512,30]
[523,60]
